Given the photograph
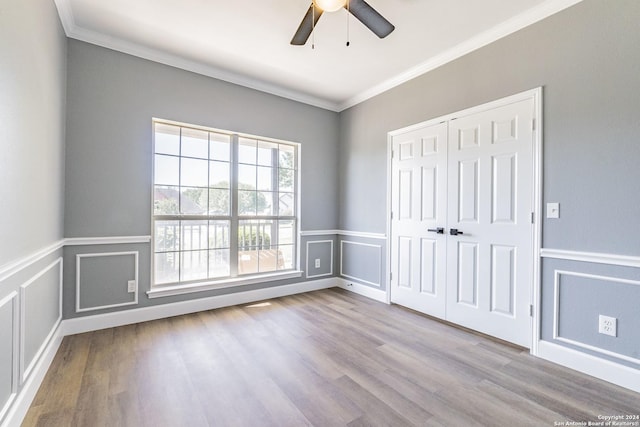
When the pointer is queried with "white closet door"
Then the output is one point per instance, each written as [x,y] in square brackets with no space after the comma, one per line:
[490,263]
[419,204]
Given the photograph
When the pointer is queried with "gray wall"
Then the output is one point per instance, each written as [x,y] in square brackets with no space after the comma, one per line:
[32,124]
[112,98]
[588,61]
[32,108]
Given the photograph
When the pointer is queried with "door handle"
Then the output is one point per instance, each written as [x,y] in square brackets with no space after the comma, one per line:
[455,232]
[438,230]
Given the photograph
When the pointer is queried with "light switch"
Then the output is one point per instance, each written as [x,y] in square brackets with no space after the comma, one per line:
[553,210]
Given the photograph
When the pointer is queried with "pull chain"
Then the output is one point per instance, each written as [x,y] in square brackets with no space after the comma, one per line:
[313,26]
[348,13]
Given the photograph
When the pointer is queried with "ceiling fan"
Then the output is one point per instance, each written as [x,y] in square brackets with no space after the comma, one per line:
[358,8]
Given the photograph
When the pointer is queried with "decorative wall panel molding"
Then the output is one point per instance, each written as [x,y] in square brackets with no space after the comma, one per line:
[11,321]
[377,282]
[79,280]
[556,312]
[26,366]
[320,242]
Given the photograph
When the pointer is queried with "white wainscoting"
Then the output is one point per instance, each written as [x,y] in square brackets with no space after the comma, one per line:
[17,411]
[357,234]
[589,364]
[378,282]
[12,299]
[26,367]
[79,258]
[317,242]
[28,374]
[556,311]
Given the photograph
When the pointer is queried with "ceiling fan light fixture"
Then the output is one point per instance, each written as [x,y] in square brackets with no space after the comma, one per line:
[330,5]
[360,9]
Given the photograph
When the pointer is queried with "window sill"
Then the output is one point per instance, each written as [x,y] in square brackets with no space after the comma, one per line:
[166,291]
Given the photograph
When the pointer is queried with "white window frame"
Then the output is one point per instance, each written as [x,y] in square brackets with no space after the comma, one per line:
[161,290]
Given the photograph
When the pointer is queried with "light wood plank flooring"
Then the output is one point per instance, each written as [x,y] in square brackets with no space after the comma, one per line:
[326,358]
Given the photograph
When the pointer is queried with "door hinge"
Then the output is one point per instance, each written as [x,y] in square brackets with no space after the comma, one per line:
[393,153]
[533,124]
[391,215]
[391,276]
[533,218]
[530,310]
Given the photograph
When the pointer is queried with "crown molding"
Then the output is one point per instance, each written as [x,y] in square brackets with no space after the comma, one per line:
[73,31]
[510,26]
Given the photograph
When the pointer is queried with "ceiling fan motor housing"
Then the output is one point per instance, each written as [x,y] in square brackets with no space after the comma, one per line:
[330,5]
[358,8]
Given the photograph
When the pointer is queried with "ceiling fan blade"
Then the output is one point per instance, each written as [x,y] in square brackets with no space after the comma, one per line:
[306,26]
[370,18]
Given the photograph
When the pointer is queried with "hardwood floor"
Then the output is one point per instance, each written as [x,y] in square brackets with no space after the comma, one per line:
[326,358]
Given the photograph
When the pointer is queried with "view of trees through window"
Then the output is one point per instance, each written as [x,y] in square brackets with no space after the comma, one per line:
[224,205]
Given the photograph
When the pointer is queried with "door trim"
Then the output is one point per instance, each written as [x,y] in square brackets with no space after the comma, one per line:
[536,95]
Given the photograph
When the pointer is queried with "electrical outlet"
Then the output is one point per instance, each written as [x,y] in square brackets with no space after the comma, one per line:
[131,286]
[608,325]
[317,262]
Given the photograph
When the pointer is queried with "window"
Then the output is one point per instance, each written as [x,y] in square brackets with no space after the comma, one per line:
[224,205]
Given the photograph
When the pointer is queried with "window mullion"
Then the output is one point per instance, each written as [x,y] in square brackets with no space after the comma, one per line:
[208,240]
[234,222]
[180,229]
[275,187]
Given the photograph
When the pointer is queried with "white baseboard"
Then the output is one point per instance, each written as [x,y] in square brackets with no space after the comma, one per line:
[23,400]
[367,291]
[612,372]
[120,318]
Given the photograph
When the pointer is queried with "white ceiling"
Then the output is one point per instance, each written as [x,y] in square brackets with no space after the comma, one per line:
[247,41]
